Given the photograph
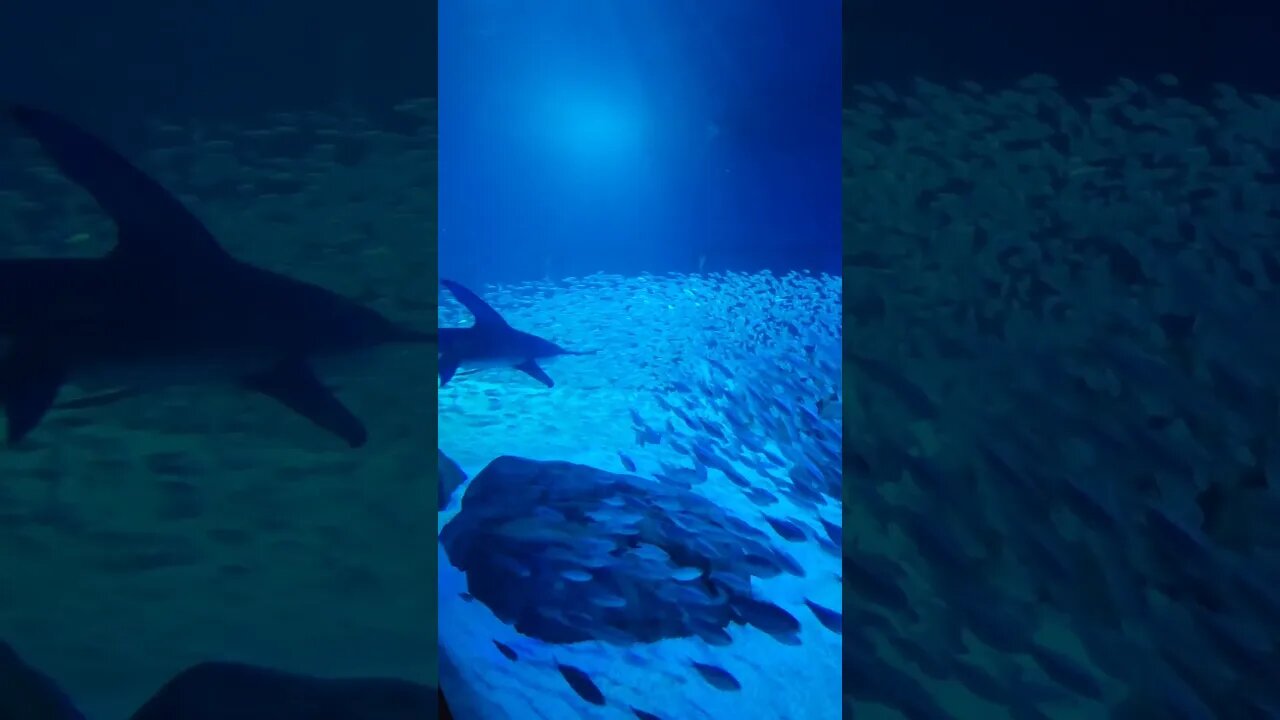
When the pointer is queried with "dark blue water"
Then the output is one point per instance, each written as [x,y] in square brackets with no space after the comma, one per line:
[622,137]
[1084,45]
[215,60]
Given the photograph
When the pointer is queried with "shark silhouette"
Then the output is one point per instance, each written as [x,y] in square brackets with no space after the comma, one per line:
[167,305]
[491,342]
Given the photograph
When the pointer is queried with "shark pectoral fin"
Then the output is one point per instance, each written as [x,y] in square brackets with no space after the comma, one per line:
[448,367]
[535,371]
[293,384]
[29,382]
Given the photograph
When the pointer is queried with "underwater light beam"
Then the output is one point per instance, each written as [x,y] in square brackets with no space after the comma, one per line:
[592,133]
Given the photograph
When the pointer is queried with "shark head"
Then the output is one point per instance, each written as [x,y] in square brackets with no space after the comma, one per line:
[538,348]
[346,326]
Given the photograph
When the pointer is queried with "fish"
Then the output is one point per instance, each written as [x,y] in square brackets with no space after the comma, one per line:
[627,462]
[506,651]
[581,684]
[608,601]
[877,580]
[168,306]
[786,529]
[833,532]
[767,617]
[491,342]
[761,497]
[717,677]
[912,396]
[1067,672]
[829,618]
[716,637]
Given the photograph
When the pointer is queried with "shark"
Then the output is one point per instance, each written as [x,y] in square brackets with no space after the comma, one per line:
[491,342]
[168,305]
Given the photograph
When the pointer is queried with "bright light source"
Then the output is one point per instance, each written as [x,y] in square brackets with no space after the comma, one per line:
[592,132]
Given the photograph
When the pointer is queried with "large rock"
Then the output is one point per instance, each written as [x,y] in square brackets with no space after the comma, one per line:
[221,690]
[567,553]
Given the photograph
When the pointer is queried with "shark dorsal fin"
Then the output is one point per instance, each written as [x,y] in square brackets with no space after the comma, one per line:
[152,224]
[481,310]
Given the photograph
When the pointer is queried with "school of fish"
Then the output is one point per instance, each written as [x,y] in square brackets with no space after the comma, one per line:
[1061,449]
[711,420]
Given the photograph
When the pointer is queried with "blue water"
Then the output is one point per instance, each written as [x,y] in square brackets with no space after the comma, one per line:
[620,137]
